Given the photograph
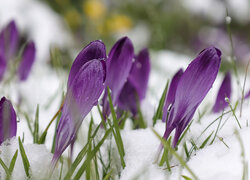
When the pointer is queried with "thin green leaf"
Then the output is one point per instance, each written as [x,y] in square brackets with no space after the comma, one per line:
[174,153]
[158,113]
[80,156]
[108,175]
[91,155]
[205,141]
[186,178]
[36,126]
[13,162]
[8,174]
[54,136]
[118,138]
[26,163]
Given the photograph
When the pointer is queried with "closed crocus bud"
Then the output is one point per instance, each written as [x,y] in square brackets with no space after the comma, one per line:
[192,88]
[119,64]
[9,40]
[224,91]
[27,60]
[8,123]
[85,85]
[3,65]
[136,86]
[171,94]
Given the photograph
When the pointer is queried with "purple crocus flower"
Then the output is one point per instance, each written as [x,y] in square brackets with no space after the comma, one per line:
[9,40]
[85,85]
[136,86]
[28,58]
[119,64]
[171,94]
[8,123]
[247,95]
[3,65]
[224,91]
[192,88]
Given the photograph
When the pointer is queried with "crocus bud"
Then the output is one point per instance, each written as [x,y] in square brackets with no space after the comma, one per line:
[171,94]
[9,40]
[136,86]
[85,85]
[3,65]
[192,88]
[119,64]
[224,91]
[8,123]
[28,58]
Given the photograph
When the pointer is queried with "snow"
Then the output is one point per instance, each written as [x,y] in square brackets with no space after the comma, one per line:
[39,158]
[215,161]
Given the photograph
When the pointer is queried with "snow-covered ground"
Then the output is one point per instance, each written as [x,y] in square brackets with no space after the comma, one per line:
[221,160]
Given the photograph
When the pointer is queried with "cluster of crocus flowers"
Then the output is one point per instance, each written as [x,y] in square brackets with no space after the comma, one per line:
[91,73]
[127,79]
[134,90]
[223,93]
[119,64]
[188,89]
[8,123]
[9,46]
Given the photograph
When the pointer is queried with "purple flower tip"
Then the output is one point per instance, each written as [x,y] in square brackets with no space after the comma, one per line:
[136,86]
[247,95]
[3,65]
[28,58]
[192,88]
[8,123]
[119,65]
[224,91]
[9,40]
[85,85]
[171,93]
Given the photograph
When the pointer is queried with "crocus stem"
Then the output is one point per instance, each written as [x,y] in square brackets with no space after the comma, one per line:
[43,136]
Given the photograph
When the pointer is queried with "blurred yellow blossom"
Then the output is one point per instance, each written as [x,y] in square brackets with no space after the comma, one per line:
[94,9]
[119,24]
[73,18]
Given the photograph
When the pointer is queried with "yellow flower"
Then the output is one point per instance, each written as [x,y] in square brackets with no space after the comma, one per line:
[73,18]
[119,24]
[94,9]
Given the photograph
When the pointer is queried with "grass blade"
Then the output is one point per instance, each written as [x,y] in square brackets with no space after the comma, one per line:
[117,135]
[174,153]
[158,113]
[36,126]
[8,174]
[205,141]
[13,162]
[26,163]
[91,155]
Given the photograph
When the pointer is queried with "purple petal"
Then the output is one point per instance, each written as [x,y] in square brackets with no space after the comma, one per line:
[128,97]
[224,91]
[8,123]
[119,65]
[3,66]
[82,95]
[139,74]
[135,88]
[247,95]
[28,58]
[193,86]
[171,93]
[94,50]
[9,40]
